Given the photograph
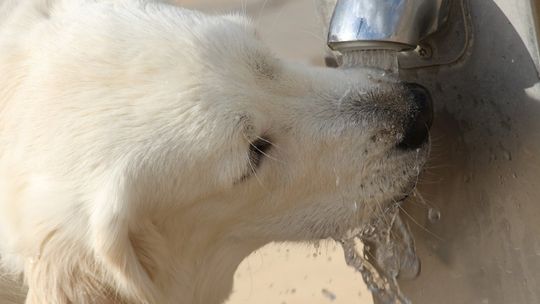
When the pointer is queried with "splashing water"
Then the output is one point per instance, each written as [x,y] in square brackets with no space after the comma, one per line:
[389,253]
[434,215]
[384,60]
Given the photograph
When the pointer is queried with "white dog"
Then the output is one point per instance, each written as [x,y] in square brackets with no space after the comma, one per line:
[146,149]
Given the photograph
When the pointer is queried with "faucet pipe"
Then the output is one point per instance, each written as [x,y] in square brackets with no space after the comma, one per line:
[397,25]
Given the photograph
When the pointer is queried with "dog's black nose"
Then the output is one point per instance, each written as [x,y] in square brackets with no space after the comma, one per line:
[420,117]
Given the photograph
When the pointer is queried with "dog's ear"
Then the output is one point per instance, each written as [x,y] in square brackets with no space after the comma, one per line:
[112,242]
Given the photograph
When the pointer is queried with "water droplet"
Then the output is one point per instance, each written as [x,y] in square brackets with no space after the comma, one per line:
[390,252]
[434,215]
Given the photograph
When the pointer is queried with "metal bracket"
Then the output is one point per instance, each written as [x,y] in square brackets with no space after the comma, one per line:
[448,46]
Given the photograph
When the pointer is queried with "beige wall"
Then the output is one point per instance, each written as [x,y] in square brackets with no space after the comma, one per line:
[486,167]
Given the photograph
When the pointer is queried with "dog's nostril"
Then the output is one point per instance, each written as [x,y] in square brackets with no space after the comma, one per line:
[421,117]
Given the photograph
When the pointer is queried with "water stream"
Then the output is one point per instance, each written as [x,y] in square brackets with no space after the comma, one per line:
[383,60]
[388,251]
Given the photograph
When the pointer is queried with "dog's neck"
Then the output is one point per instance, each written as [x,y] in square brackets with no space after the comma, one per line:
[214,272]
[205,259]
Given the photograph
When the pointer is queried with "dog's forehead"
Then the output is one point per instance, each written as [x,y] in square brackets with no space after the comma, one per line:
[246,48]
[260,61]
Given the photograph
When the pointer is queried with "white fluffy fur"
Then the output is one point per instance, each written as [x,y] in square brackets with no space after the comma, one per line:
[125,128]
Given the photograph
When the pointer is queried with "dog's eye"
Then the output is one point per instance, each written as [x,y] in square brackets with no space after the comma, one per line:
[257,150]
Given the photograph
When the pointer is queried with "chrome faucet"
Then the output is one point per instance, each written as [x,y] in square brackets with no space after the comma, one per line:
[397,25]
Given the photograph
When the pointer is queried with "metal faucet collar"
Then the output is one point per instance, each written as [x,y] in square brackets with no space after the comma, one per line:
[384,24]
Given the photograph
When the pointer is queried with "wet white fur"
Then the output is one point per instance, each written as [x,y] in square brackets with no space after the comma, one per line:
[124,136]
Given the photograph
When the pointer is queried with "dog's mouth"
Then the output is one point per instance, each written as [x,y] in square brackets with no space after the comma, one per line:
[408,190]
[402,198]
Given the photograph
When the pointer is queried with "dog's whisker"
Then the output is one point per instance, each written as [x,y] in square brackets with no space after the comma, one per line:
[383,213]
[278,16]
[266,154]
[423,201]
[254,172]
[261,10]
[243,4]
[420,225]
[341,99]
[260,151]
[267,141]
[312,34]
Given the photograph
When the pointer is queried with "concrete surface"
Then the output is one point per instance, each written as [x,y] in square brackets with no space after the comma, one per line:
[485,177]
[298,274]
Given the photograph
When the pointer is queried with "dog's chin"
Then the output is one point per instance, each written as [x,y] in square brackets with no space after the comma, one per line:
[407,191]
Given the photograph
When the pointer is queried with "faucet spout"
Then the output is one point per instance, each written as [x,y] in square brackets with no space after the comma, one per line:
[397,25]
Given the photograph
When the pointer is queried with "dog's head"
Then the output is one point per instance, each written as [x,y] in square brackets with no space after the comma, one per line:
[290,152]
[173,136]
[215,123]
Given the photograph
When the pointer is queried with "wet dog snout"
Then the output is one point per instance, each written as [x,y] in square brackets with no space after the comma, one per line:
[420,117]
